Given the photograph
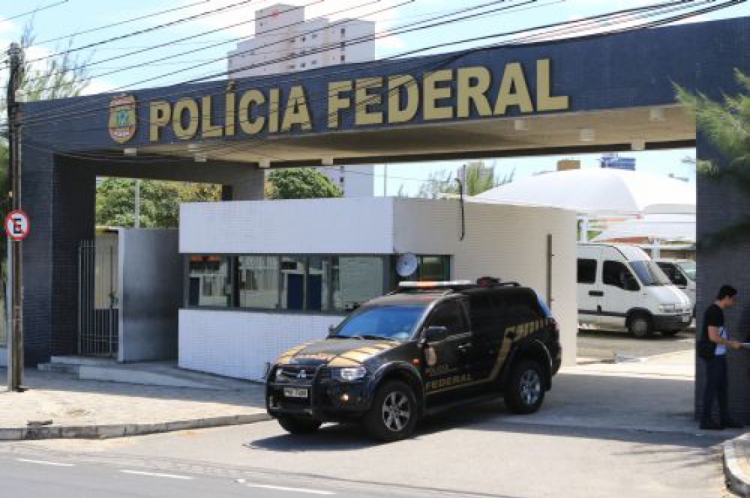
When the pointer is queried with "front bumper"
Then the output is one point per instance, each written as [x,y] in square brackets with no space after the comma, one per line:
[328,400]
[672,322]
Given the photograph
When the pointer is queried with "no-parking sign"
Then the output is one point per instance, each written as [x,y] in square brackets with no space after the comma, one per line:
[17,225]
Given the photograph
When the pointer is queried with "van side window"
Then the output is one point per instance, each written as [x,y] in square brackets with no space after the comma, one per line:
[673,274]
[617,274]
[451,316]
[586,271]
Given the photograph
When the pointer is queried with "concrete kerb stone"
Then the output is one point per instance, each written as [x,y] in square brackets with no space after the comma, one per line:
[123,430]
[738,479]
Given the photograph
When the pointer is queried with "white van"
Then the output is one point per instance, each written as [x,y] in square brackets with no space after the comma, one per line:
[682,273]
[620,287]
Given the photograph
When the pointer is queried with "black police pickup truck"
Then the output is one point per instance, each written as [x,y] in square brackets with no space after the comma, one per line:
[426,347]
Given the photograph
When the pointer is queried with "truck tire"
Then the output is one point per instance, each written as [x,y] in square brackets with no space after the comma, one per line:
[296,425]
[524,392]
[393,414]
[641,325]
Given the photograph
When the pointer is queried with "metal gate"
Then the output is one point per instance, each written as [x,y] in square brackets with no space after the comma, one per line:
[98,302]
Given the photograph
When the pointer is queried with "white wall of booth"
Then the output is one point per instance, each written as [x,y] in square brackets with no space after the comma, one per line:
[334,253]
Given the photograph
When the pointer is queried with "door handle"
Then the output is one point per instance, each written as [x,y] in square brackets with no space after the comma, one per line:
[596,293]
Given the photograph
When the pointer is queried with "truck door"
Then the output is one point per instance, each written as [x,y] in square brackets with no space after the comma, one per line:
[590,289]
[446,362]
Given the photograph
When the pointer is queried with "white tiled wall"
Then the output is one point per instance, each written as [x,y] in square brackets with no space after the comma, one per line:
[238,344]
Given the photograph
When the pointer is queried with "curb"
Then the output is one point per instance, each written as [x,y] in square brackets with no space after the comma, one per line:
[737,479]
[125,430]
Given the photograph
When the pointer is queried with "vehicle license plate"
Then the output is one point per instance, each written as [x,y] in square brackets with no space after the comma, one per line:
[292,392]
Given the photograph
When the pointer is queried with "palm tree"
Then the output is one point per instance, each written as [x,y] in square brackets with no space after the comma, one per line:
[727,126]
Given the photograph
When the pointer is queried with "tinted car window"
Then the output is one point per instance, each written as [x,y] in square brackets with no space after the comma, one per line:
[617,274]
[586,271]
[482,312]
[395,322]
[674,275]
[450,315]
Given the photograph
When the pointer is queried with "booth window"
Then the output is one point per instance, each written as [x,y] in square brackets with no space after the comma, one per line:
[209,282]
[355,280]
[258,282]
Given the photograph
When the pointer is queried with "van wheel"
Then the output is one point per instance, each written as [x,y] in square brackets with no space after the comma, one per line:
[525,390]
[295,425]
[640,326]
[393,414]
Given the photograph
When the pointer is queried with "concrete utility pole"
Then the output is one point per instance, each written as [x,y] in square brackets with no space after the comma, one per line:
[15,254]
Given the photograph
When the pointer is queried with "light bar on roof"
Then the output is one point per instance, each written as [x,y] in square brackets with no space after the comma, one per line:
[434,285]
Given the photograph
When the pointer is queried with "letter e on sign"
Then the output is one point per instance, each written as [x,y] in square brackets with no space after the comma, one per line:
[17,225]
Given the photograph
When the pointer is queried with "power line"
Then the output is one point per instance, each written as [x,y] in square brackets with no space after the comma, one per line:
[146,30]
[393,32]
[127,21]
[38,9]
[229,149]
[593,19]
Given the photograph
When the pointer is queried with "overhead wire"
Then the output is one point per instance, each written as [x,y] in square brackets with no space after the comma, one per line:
[228,149]
[565,24]
[388,33]
[34,11]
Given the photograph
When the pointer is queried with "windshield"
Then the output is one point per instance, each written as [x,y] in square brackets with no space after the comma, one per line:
[688,268]
[390,322]
[649,273]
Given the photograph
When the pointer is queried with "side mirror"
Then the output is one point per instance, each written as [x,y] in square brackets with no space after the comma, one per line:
[435,334]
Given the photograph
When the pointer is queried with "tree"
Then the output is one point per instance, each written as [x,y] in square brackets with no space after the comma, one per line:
[159,201]
[61,76]
[479,178]
[301,183]
[727,127]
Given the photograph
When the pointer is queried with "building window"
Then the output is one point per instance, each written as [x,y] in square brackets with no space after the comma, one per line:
[355,280]
[209,282]
[314,63]
[343,58]
[258,282]
[343,31]
[303,65]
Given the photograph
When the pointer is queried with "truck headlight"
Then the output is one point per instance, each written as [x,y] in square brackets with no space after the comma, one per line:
[667,308]
[349,374]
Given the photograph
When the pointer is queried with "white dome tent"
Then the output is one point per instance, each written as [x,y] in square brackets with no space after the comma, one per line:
[630,203]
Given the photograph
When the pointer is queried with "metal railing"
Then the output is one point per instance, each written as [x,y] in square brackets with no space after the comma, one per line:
[98,303]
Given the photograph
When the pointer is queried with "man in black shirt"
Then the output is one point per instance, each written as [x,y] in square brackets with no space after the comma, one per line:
[712,347]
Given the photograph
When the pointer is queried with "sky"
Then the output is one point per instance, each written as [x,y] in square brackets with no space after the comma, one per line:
[79,23]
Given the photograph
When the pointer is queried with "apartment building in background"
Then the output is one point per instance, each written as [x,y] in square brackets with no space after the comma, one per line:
[286,42]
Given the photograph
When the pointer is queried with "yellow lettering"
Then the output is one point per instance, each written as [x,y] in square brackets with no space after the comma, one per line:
[185,131]
[433,93]
[296,112]
[513,91]
[249,100]
[161,114]
[473,85]
[544,99]
[209,129]
[396,113]
[274,110]
[230,118]
[337,103]
[365,100]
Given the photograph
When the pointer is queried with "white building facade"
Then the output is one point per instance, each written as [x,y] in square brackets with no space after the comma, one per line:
[285,42]
[262,277]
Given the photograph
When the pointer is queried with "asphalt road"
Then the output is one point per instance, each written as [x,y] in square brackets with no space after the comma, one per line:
[471,453]
[606,345]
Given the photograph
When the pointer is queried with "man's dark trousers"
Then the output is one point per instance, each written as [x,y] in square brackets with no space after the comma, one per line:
[716,387]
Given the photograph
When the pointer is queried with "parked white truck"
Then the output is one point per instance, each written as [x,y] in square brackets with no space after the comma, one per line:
[620,287]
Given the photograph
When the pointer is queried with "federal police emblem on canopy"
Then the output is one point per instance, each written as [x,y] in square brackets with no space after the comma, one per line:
[122,118]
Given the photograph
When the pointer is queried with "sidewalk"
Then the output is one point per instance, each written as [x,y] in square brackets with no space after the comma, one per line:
[62,406]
